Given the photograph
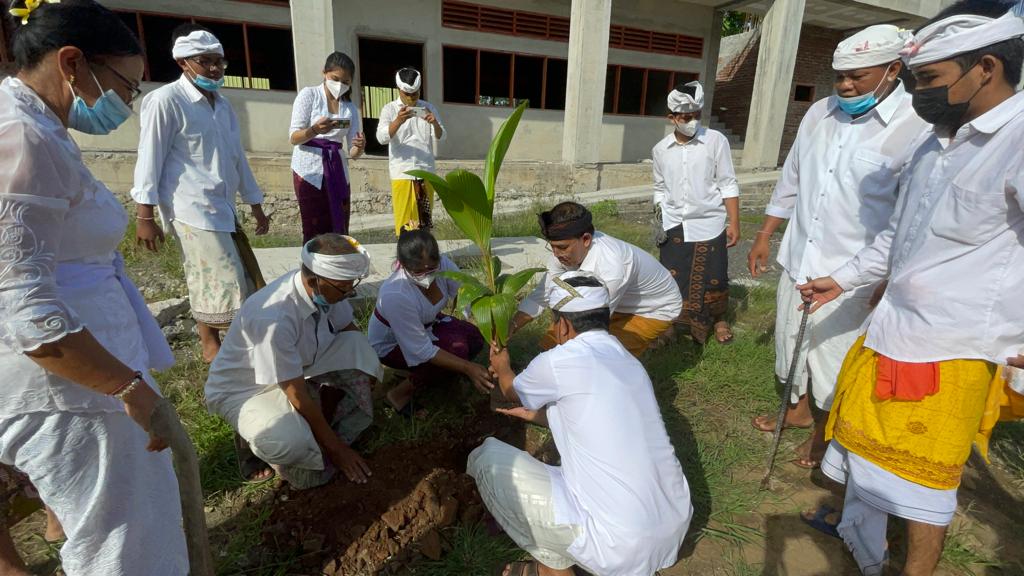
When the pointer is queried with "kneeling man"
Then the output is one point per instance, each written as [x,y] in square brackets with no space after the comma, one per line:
[619,503]
[294,375]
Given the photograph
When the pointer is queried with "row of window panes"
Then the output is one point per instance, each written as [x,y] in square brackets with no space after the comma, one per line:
[261,57]
[488,78]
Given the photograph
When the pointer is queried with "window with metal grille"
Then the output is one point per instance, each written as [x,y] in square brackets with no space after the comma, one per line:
[468,16]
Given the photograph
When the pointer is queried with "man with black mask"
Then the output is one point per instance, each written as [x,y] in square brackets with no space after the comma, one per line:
[926,381]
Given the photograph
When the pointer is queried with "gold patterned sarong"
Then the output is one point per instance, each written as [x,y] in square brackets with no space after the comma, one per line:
[927,441]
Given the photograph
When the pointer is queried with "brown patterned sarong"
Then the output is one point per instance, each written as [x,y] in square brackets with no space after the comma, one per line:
[701,270]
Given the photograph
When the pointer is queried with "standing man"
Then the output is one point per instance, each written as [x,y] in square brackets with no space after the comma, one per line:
[839,190]
[643,298]
[295,376]
[191,164]
[409,126]
[925,382]
[619,503]
[697,211]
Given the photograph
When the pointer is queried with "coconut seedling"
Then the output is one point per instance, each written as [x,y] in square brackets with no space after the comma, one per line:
[469,201]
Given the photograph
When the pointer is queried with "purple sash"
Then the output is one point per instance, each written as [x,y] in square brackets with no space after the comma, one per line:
[335,183]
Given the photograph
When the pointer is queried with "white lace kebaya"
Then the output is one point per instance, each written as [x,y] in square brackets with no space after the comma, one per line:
[59,267]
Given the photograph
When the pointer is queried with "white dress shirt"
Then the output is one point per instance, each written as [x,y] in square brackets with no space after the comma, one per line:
[412,148]
[276,335]
[410,315]
[637,283]
[310,106]
[191,162]
[691,181]
[839,182]
[954,254]
[59,230]
[620,481]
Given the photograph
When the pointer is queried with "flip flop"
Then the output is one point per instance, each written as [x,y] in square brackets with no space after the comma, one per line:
[726,341]
[806,463]
[529,568]
[405,411]
[818,521]
[753,422]
[249,465]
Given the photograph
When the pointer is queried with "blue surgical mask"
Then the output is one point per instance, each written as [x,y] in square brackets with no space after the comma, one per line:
[321,302]
[207,84]
[106,114]
[856,105]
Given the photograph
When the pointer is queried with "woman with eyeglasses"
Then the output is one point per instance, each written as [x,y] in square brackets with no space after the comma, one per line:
[192,165]
[410,331]
[323,118]
[77,342]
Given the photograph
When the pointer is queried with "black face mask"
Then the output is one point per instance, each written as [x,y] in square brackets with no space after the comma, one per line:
[932,104]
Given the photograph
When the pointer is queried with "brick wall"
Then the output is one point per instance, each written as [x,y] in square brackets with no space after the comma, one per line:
[735,81]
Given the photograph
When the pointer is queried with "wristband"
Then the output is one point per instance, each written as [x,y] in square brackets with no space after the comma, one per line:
[763,232]
[128,387]
[147,218]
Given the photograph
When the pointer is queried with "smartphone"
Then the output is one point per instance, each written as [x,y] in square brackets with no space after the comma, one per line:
[340,123]
[418,111]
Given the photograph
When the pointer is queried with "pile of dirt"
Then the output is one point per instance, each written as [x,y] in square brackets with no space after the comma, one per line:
[417,488]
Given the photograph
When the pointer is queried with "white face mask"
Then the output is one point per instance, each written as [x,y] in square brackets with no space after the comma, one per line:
[337,89]
[688,129]
[423,281]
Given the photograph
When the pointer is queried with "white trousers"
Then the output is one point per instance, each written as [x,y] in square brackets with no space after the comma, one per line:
[516,488]
[872,494]
[280,436]
[118,503]
[831,332]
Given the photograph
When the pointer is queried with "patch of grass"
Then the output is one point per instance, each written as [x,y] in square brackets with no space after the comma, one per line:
[473,553]
[961,554]
[1008,448]
[274,239]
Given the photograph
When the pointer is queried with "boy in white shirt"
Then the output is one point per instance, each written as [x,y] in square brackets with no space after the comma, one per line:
[619,504]
[408,127]
[696,202]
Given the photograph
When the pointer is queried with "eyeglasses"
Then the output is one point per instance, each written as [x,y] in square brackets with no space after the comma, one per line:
[132,86]
[344,293]
[209,62]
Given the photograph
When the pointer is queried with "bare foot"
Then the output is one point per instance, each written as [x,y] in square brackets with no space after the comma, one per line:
[210,350]
[264,474]
[209,338]
[54,530]
[723,333]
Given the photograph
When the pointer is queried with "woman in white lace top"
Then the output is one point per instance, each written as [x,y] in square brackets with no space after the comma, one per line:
[76,340]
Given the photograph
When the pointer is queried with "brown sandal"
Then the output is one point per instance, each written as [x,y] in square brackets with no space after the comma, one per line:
[528,568]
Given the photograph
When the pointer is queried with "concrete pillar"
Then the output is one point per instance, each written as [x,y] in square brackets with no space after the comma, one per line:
[711,46]
[584,91]
[313,37]
[776,59]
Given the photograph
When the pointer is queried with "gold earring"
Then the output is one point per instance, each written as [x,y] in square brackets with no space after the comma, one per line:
[72,80]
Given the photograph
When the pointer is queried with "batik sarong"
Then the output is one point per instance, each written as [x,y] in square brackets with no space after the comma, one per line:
[701,269]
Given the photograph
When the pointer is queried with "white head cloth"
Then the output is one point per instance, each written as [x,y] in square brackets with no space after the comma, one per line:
[682,102]
[565,298]
[408,88]
[872,46]
[958,34]
[196,43]
[338,266]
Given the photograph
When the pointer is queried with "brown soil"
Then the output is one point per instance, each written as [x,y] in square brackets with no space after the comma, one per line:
[416,489]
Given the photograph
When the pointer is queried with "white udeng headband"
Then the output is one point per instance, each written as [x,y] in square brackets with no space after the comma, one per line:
[682,102]
[408,88]
[565,298]
[339,266]
[196,43]
[958,34]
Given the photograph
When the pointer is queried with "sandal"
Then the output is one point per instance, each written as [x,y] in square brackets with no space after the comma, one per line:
[249,465]
[758,423]
[405,411]
[528,568]
[819,523]
[722,329]
[806,462]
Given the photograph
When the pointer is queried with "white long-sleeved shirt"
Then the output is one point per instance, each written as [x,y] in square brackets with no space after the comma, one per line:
[412,148]
[191,162]
[839,182]
[637,283]
[620,481]
[954,254]
[311,105]
[410,315]
[691,181]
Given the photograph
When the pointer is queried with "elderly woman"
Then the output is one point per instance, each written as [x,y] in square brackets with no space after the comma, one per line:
[323,117]
[409,329]
[76,340]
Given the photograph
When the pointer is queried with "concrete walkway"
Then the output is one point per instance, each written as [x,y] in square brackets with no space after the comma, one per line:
[515,254]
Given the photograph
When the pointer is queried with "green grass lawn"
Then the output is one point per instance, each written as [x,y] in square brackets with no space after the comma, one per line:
[707,396]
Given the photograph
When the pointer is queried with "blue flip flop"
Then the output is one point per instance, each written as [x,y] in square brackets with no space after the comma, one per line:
[819,523]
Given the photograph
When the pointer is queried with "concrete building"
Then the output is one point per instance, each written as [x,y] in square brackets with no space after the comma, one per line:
[596,72]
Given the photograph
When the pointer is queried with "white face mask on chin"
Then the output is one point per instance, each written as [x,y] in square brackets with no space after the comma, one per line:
[688,129]
[424,281]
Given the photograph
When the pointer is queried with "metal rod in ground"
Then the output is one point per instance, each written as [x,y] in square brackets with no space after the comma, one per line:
[787,390]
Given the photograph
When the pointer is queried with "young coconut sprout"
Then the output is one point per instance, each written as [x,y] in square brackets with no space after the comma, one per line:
[470,203]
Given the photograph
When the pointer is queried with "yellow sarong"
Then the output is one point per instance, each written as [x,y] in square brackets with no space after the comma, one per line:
[636,333]
[405,205]
[928,441]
